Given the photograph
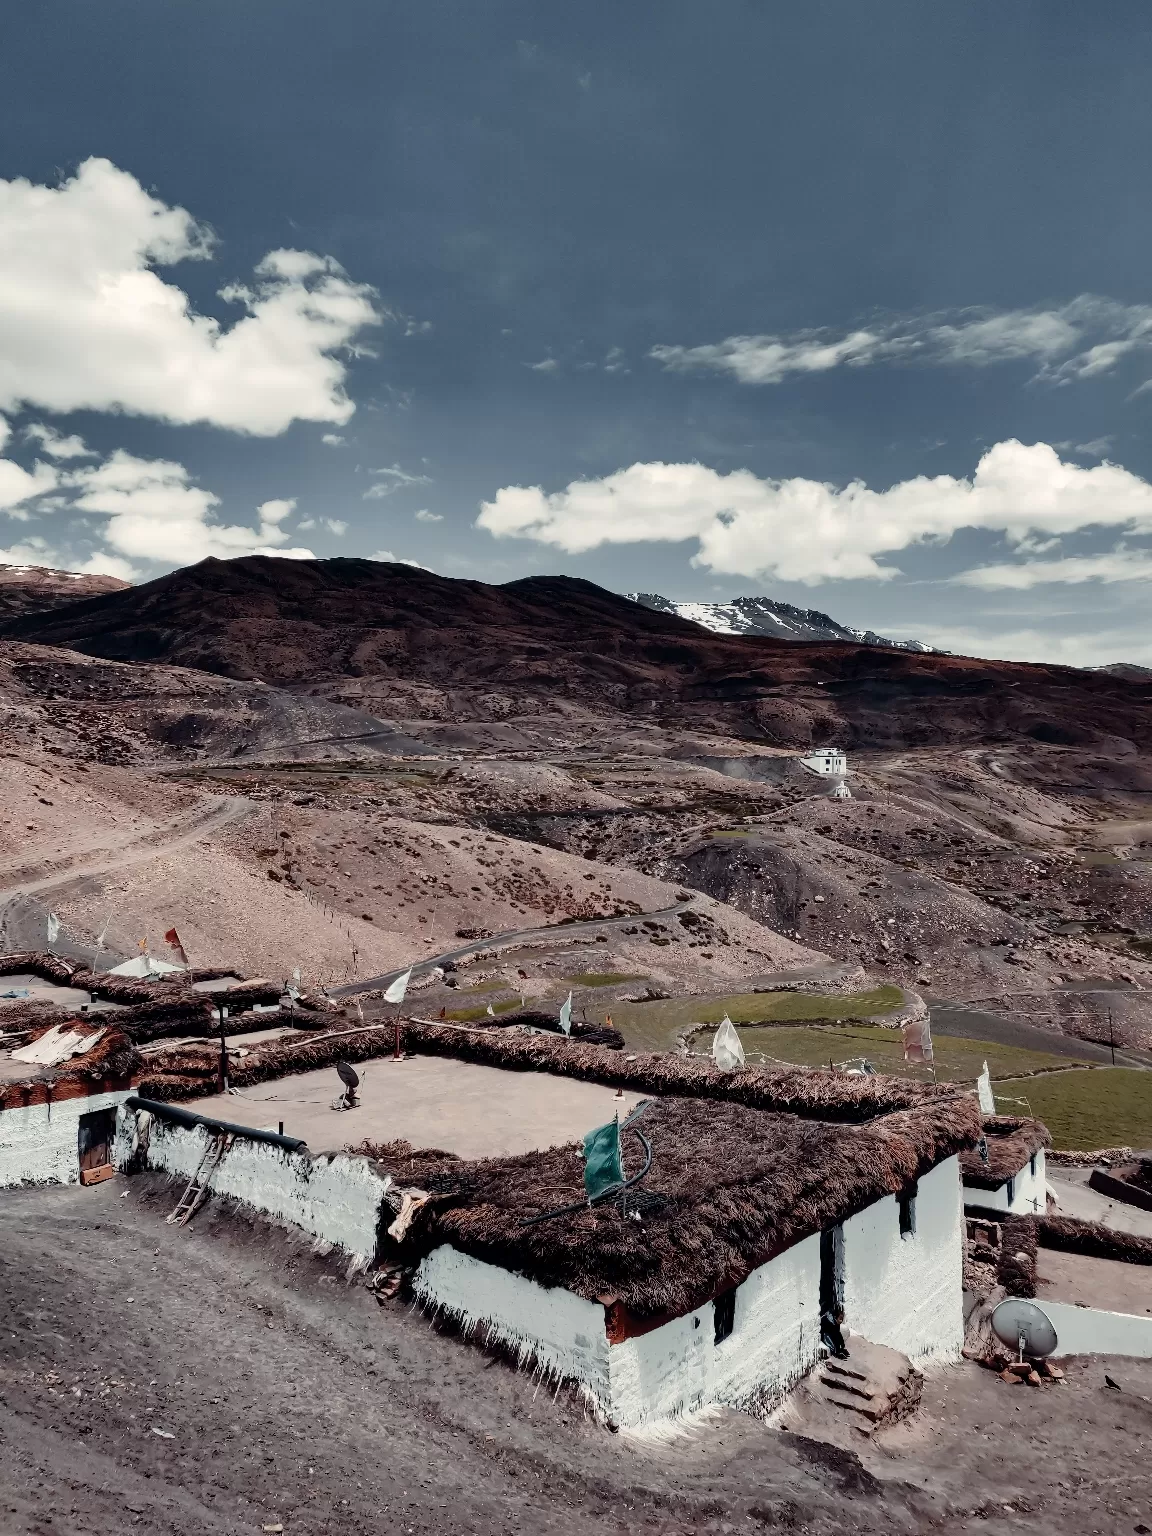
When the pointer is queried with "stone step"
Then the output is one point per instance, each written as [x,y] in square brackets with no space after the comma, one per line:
[871,1408]
[856,1388]
[841,1368]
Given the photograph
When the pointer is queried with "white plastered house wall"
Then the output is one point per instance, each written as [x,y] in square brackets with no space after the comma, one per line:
[39,1143]
[1025,1194]
[335,1197]
[902,1291]
[906,1289]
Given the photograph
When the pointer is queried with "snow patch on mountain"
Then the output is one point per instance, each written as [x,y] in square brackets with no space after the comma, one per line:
[766,616]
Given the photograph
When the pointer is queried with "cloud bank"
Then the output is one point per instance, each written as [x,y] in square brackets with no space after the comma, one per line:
[1086,337]
[86,323]
[807,531]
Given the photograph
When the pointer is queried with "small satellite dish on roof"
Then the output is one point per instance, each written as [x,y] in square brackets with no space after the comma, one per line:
[351,1080]
[1024,1326]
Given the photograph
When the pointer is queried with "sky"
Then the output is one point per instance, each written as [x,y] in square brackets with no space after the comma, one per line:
[846,305]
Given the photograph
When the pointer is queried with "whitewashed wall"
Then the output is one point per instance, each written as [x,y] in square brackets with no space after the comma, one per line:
[335,1197]
[1087,1331]
[39,1142]
[672,1369]
[1030,1195]
[775,1338]
[553,1328]
[907,1292]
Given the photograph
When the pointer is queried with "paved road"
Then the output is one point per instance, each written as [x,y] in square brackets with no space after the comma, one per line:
[953,1018]
[503,940]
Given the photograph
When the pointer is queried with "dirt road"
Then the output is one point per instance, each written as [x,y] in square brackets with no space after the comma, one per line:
[287,1397]
[562,932]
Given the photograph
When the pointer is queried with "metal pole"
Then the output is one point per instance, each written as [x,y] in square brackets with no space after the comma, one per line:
[1111,1037]
[396,1055]
[223,1050]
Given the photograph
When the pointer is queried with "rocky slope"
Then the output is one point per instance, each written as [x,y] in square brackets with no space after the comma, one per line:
[37,588]
[553,653]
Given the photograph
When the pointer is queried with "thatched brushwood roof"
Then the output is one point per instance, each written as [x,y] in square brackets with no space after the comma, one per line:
[1011,1140]
[740,1186]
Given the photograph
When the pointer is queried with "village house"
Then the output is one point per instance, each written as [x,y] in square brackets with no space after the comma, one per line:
[1005,1170]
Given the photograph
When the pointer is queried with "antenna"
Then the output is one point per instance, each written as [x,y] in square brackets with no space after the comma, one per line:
[1025,1327]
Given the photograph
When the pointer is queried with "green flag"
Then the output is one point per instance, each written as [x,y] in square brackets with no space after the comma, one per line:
[603,1166]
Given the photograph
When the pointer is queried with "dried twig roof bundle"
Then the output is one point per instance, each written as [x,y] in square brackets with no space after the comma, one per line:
[1011,1140]
[739,1186]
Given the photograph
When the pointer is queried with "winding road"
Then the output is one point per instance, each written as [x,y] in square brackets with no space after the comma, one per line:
[504,940]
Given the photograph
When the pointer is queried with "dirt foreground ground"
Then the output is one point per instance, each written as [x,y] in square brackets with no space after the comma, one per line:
[222,1379]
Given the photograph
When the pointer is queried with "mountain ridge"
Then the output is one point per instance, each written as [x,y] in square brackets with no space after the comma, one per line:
[779,620]
[408,644]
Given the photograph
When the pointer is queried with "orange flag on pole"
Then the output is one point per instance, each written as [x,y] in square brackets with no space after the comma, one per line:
[172,939]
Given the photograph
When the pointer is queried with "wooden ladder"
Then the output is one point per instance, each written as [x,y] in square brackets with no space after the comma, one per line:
[193,1197]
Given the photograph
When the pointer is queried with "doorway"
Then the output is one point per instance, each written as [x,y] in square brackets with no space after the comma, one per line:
[832,1272]
[94,1145]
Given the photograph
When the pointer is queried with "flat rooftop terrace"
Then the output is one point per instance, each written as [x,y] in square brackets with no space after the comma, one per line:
[430,1101]
[1084,1281]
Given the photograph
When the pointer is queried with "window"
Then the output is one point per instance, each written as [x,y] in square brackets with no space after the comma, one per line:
[1011,1190]
[1032,1165]
[906,1203]
[724,1314]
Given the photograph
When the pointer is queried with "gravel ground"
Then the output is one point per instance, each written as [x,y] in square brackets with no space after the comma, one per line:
[288,1397]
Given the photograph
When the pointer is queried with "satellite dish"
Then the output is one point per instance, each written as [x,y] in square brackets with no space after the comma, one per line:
[347,1075]
[1024,1326]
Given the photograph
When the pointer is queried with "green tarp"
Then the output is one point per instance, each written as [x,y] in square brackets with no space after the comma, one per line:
[603,1166]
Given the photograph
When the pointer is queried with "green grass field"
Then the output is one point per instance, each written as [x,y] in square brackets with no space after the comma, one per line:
[1106,1107]
[470,1015]
[654,1026]
[600,978]
[956,1059]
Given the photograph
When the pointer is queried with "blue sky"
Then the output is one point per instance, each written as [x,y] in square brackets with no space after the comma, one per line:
[848,305]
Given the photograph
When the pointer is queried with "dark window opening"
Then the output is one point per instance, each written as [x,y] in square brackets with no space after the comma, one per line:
[724,1314]
[1032,1165]
[1011,1190]
[907,1206]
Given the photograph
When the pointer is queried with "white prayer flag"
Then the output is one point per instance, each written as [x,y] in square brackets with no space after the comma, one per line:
[984,1089]
[396,992]
[566,1016]
[53,927]
[727,1051]
[491,1011]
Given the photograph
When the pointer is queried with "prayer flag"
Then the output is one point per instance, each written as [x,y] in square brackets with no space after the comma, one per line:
[566,1016]
[396,992]
[53,927]
[727,1051]
[172,939]
[603,1164]
[984,1090]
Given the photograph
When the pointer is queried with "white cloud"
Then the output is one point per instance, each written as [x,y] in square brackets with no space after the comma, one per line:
[334,440]
[19,485]
[395,479]
[1085,337]
[156,514]
[334,525]
[1067,647]
[1116,565]
[30,551]
[56,446]
[86,322]
[806,531]
[388,558]
[424,516]
[545,365]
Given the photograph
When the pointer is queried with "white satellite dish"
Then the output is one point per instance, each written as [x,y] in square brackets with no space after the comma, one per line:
[1025,1327]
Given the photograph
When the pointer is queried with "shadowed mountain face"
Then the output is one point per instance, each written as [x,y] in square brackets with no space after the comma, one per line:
[36,588]
[556,643]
